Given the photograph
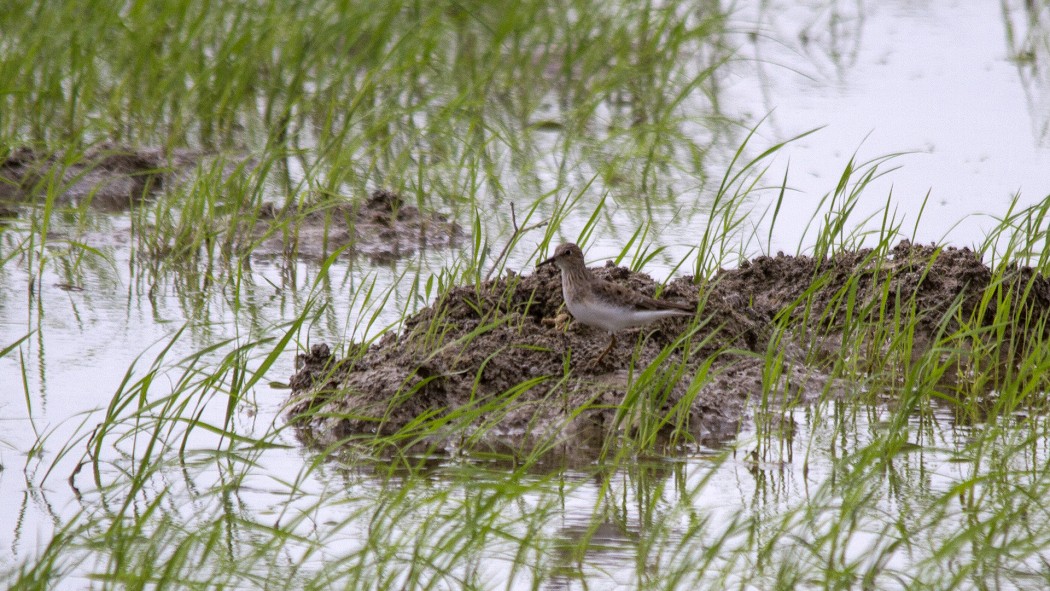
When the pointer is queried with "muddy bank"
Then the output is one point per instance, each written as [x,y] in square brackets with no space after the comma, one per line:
[108,177]
[383,227]
[459,358]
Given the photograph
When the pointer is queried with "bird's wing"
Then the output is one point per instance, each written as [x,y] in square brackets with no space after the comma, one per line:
[613,291]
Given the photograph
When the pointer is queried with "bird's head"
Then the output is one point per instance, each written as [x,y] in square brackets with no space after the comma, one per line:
[567,254]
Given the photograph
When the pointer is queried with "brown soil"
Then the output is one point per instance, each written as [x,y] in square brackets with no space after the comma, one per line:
[112,178]
[478,342]
[383,228]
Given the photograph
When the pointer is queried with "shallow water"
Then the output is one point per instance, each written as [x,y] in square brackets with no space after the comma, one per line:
[939,81]
[944,90]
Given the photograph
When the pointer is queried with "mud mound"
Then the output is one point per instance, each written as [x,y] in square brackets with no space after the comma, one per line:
[506,340]
[382,227]
[110,177]
[942,286]
[933,276]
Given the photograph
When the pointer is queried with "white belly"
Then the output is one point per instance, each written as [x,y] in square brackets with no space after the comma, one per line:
[612,318]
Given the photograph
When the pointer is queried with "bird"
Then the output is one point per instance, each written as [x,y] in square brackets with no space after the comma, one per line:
[603,304]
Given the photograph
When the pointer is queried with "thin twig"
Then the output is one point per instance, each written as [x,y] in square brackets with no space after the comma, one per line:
[513,238]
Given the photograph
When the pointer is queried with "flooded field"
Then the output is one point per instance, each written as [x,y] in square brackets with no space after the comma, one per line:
[270,317]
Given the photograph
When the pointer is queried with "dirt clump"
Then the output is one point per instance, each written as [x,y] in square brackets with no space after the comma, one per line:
[110,177]
[500,361]
[829,299]
[383,228]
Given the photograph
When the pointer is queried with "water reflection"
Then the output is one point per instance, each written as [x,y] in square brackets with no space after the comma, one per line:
[932,82]
[1027,32]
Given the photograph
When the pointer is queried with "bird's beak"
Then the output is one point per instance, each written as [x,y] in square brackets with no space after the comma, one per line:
[546,262]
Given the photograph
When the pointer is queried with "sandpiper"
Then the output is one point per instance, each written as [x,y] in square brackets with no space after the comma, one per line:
[603,304]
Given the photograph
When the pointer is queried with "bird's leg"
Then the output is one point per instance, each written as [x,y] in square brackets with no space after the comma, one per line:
[612,343]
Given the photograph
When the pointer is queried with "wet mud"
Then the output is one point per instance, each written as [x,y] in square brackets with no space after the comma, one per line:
[383,227]
[109,178]
[511,339]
